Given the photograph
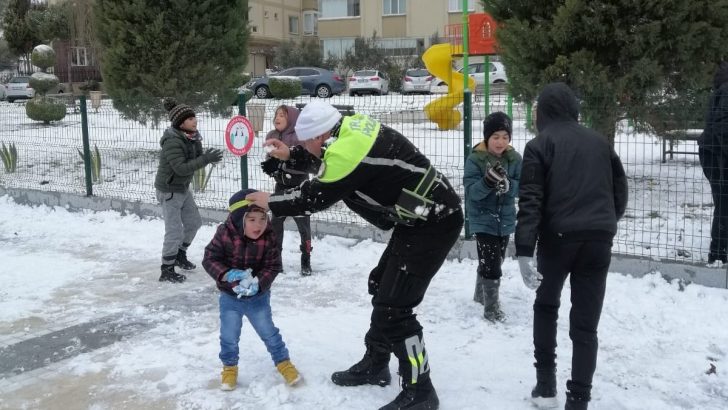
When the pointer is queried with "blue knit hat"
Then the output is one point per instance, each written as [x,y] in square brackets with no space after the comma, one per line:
[239,206]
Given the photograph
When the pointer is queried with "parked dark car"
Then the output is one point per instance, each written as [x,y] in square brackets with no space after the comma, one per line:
[316,82]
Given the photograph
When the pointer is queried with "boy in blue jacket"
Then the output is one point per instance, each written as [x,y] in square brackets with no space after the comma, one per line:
[492,172]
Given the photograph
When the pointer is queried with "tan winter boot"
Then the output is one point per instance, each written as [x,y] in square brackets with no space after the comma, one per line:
[289,372]
[229,378]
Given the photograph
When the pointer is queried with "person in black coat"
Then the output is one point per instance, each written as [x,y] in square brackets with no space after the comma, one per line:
[713,154]
[573,191]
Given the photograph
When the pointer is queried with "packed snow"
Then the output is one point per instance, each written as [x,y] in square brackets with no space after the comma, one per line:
[658,340]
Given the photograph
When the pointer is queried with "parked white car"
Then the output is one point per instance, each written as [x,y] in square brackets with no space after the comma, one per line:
[368,82]
[497,73]
[18,88]
[416,80]
[475,70]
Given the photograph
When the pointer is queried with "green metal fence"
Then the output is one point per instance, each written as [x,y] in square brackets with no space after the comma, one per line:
[668,216]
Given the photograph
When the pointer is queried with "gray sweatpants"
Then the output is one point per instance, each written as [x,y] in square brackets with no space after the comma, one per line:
[181,222]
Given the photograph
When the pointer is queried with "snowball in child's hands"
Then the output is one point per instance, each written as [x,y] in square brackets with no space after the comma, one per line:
[269,148]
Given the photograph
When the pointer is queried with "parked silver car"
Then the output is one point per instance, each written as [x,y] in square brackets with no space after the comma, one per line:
[416,80]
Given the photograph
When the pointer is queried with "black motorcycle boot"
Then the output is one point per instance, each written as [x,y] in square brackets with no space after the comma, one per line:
[492,310]
[183,262]
[418,396]
[169,275]
[306,258]
[373,368]
[543,394]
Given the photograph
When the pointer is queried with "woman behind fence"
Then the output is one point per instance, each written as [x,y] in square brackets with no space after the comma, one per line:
[180,157]
[713,153]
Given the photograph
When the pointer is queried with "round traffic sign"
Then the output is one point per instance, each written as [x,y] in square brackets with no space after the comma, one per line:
[239,135]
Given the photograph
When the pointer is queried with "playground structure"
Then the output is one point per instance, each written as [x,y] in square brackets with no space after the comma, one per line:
[438,61]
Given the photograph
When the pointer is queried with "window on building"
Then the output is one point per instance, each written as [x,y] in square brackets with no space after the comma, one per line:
[338,8]
[336,47]
[310,23]
[397,47]
[293,24]
[393,7]
[457,5]
[79,56]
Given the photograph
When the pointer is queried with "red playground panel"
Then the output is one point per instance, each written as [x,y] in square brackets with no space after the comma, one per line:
[481,38]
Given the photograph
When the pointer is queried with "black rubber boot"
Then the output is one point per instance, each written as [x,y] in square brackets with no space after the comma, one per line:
[419,396]
[169,275]
[183,262]
[306,258]
[576,402]
[543,394]
[373,368]
[478,294]
[491,302]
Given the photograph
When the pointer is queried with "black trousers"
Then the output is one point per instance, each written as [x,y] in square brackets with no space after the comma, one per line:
[587,263]
[302,222]
[715,169]
[398,284]
[491,252]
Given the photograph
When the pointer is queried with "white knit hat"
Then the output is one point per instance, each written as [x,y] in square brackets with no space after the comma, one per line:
[316,118]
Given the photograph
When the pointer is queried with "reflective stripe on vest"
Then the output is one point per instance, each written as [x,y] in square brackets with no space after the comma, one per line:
[356,138]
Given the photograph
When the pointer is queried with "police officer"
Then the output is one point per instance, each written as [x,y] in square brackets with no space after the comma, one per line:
[384,178]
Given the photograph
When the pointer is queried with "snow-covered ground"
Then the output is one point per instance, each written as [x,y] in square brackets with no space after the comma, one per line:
[657,339]
[668,215]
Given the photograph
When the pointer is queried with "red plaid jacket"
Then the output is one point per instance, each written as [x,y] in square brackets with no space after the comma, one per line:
[230,249]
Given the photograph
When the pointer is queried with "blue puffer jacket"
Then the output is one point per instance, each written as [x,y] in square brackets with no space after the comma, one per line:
[487,212]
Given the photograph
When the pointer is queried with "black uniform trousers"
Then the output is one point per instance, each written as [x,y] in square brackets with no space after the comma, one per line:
[398,284]
[587,263]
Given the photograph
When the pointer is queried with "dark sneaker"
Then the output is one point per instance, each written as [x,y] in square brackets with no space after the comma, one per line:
[363,372]
[169,275]
[183,262]
[305,264]
[415,397]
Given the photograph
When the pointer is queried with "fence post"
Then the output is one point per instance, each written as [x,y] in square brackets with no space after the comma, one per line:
[243,158]
[86,147]
[467,143]
[509,104]
[529,115]
[467,102]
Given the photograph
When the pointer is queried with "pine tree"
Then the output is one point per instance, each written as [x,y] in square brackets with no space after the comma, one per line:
[192,50]
[623,58]
[19,36]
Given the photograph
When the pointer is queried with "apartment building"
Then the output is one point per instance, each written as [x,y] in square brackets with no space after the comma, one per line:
[405,27]
[275,21]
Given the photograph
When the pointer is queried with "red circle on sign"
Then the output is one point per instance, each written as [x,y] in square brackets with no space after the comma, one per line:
[239,135]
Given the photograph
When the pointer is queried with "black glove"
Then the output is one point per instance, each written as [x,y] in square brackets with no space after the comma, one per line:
[212,155]
[271,166]
[500,169]
[493,177]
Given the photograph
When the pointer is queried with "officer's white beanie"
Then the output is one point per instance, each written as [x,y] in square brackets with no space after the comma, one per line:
[316,118]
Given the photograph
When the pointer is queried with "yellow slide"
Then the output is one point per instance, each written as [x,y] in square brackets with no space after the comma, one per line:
[443,111]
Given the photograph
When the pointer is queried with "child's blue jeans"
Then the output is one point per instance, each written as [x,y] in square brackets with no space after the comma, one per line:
[257,310]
